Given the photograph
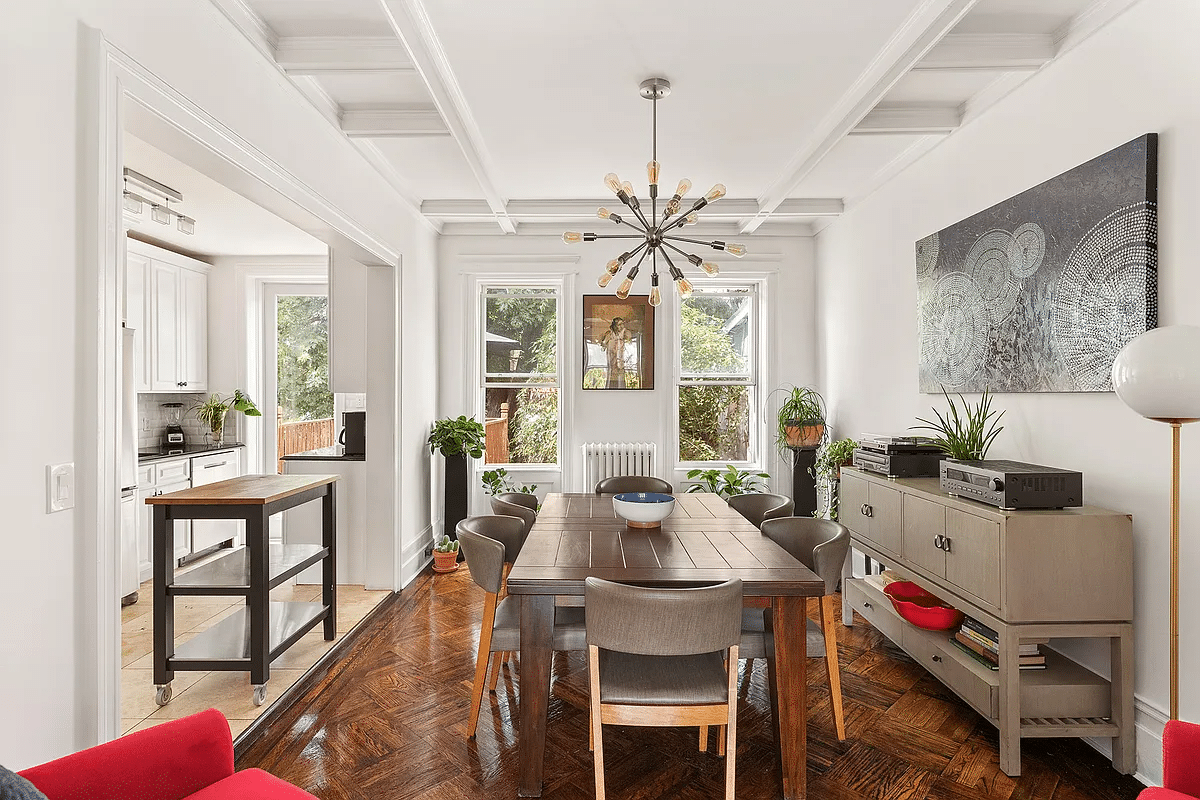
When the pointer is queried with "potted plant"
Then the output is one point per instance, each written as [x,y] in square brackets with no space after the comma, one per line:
[727,482]
[457,440]
[213,410]
[801,418]
[827,468]
[495,481]
[964,436]
[445,555]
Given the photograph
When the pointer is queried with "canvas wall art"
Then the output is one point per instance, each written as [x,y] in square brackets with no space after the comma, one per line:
[1040,292]
[618,342]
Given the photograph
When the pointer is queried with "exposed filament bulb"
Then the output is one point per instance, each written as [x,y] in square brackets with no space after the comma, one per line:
[612,182]
[710,267]
[625,287]
[572,237]
[737,250]
[684,287]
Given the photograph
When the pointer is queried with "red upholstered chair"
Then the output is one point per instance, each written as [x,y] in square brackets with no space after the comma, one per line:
[184,758]
[1181,763]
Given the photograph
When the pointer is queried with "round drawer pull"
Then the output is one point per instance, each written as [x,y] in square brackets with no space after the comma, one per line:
[937,658]
[939,542]
[866,510]
[866,604]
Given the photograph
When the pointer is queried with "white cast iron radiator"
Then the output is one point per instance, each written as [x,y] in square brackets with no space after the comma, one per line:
[605,459]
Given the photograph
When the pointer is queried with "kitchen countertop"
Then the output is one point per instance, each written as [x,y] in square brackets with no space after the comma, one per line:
[334,453]
[188,450]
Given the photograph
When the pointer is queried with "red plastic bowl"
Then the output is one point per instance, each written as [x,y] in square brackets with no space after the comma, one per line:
[922,608]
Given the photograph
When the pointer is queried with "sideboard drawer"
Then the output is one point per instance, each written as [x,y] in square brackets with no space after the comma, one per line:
[934,652]
[875,608]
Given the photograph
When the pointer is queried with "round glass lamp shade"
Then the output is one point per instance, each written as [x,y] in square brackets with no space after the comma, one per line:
[1158,374]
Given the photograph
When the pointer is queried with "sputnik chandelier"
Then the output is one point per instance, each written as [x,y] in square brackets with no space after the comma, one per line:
[652,231]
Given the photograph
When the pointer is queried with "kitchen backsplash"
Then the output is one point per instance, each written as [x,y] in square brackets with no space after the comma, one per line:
[152,420]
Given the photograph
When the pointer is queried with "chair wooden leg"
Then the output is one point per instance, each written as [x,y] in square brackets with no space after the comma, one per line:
[729,741]
[481,662]
[703,738]
[495,672]
[831,666]
[721,741]
[597,730]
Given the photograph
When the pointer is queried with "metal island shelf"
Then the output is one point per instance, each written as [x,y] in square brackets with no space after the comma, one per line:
[250,639]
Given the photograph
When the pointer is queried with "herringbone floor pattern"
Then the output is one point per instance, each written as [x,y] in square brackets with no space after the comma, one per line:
[387,723]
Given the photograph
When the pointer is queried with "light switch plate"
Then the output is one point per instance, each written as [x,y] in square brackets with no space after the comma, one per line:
[356,402]
[60,487]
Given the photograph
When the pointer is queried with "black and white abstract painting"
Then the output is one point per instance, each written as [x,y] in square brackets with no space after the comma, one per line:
[1040,292]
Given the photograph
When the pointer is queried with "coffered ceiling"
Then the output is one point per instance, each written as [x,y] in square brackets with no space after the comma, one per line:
[504,117]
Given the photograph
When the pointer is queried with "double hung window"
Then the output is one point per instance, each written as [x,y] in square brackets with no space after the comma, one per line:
[520,366]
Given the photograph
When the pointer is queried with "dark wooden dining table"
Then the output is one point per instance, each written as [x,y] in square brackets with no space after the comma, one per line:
[704,541]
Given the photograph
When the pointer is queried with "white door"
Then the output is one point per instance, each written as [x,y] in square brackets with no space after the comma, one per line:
[193,330]
[297,405]
[164,320]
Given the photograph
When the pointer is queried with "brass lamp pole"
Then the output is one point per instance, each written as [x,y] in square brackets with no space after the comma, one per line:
[1158,376]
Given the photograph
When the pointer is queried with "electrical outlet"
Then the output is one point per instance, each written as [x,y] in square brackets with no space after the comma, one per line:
[145,423]
[429,551]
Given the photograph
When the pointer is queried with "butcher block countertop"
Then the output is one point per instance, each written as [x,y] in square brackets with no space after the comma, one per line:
[248,490]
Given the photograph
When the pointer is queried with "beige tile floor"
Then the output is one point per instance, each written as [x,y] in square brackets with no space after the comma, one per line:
[230,692]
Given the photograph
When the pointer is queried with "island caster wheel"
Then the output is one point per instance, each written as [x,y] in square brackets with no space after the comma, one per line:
[163,695]
[260,695]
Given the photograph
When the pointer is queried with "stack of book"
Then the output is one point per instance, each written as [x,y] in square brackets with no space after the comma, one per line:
[983,644]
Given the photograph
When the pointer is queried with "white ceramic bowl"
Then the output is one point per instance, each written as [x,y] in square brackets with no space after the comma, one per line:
[643,509]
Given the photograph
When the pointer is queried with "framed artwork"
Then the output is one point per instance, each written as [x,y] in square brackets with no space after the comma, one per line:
[1040,292]
[618,342]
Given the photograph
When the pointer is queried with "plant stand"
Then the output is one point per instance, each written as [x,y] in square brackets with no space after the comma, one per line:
[455,508]
[804,485]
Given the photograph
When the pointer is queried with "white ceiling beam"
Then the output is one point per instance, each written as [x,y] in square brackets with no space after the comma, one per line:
[727,230]
[392,123]
[411,23]
[932,20]
[887,119]
[992,52]
[325,55]
[726,209]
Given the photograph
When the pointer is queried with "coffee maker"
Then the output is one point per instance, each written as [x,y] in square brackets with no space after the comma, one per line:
[173,432]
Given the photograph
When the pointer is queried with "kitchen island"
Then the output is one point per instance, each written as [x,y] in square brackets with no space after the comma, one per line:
[250,639]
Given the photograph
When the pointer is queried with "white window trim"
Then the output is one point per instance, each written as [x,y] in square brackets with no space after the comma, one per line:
[765,309]
[473,384]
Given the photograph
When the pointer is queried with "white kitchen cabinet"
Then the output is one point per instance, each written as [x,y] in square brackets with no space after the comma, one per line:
[174,311]
[208,469]
[137,278]
[183,527]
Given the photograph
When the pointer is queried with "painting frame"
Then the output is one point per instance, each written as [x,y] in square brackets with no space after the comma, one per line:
[1039,292]
[618,346]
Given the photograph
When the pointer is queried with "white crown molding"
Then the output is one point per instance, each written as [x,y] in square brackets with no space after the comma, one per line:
[931,21]
[890,170]
[391,123]
[721,231]
[312,89]
[576,209]
[411,23]
[996,52]
[323,55]
[397,181]
[520,258]
[1087,22]
[252,26]
[888,119]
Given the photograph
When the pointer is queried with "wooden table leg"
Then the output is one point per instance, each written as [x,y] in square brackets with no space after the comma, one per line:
[537,637]
[329,565]
[791,656]
[163,556]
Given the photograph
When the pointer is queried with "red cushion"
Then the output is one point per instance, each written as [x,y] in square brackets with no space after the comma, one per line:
[251,783]
[1155,793]
[166,762]
[1181,758]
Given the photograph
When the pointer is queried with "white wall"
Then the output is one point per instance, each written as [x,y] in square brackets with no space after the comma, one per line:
[1140,74]
[606,415]
[48,661]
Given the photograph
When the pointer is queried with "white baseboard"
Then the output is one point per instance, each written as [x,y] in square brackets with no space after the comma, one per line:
[1149,722]
[413,559]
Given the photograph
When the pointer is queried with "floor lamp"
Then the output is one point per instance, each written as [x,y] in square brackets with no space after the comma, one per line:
[1158,376]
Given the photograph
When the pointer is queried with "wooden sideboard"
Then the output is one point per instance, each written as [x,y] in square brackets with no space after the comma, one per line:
[1031,574]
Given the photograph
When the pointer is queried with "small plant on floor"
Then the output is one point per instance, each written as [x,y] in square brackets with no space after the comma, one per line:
[727,482]
[495,481]
[445,555]
[966,436]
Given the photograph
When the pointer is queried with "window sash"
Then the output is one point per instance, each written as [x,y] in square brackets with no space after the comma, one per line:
[520,380]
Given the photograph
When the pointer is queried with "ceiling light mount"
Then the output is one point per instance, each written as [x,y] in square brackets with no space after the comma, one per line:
[158,196]
[653,231]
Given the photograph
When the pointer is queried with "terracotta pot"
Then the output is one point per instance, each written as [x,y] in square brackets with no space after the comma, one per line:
[802,433]
[445,562]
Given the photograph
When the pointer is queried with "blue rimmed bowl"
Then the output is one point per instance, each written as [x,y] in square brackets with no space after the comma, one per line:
[643,509]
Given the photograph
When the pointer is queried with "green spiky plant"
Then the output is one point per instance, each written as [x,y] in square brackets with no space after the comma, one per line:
[966,435]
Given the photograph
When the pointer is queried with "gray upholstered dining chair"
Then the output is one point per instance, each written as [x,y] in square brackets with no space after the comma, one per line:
[500,630]
[633,483]
[663,657]
[821,545]
[758,507]
[508,508]
[530,501]
[511,531]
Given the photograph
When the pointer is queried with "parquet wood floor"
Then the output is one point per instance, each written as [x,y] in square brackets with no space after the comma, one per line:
[387,723]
